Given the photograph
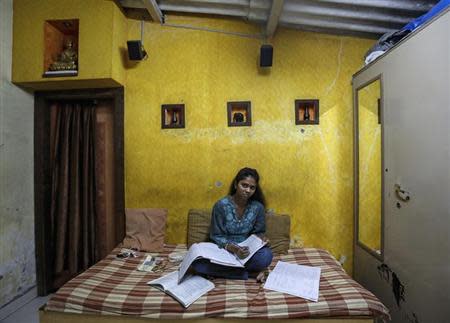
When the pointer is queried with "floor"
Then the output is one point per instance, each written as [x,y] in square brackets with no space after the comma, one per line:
[27,313]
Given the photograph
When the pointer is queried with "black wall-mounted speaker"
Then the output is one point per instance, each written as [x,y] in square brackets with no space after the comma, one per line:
[136,51]
[265,56]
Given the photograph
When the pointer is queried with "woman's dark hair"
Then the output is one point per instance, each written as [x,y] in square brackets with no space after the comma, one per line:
[244,173]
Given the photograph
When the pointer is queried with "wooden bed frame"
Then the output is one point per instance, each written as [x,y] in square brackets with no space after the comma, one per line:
[60,317]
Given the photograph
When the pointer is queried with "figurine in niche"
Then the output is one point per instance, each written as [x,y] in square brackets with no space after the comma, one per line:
[306,116]
[174,117]
[67,60]
[238,117]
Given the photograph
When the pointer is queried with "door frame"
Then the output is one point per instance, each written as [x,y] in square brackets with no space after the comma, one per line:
[43,172]
[358,85]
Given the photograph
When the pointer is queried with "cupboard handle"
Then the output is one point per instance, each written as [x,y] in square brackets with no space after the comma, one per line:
[401,193]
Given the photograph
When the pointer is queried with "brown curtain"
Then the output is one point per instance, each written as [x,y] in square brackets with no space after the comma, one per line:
[73,205]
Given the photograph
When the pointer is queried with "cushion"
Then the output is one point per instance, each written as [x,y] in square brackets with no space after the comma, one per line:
[145,229]
[199,221]
[277,229]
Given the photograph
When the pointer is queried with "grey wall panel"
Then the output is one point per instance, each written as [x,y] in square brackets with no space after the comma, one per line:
[17,258]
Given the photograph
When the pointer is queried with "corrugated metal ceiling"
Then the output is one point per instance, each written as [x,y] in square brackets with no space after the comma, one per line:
[363,18]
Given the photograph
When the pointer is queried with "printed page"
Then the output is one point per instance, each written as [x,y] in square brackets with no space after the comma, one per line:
[190,289]
[187,292]
[165,282]
[297,280]
[254,243]
[235,262]
[213,252]
[206,250]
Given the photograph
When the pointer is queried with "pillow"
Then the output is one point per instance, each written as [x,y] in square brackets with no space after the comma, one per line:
[277,229]
[199,221]
[145,229]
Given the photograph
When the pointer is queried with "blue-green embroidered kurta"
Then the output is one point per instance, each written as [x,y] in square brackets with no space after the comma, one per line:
[226,225]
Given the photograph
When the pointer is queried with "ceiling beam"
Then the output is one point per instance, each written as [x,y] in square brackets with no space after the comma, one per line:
[274,16]
[411,5]
[131,4]
[238,12]
[361,14]
[338,25]
[152,7]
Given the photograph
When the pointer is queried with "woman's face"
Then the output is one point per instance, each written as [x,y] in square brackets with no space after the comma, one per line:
[245,188]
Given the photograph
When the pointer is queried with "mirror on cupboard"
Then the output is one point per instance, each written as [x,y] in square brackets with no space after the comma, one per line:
[369,148]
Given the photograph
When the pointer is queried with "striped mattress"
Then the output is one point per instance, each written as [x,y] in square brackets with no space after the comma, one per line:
[113,286]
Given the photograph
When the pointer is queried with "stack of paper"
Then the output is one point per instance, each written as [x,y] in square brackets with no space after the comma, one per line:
[296,280]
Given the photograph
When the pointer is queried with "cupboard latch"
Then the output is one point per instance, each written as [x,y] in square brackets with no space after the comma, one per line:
[401,193]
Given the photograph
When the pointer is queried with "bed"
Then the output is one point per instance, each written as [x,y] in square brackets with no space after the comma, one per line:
[114,291]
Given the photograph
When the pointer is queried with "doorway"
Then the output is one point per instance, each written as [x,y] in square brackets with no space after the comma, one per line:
[108,187]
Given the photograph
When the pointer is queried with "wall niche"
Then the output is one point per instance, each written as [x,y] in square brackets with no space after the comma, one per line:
[307,112]
[61,47]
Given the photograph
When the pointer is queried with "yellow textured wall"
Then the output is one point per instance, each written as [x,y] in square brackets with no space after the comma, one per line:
[119,52]
[369,166]
[101,28]
[306,170]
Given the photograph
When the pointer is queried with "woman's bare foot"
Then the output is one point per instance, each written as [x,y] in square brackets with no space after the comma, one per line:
[262,276]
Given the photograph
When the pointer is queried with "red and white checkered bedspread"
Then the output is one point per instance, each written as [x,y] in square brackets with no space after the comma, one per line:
[114,286]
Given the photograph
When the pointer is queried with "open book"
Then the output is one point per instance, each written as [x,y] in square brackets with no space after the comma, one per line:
[211,251]
[297,280]
[186,292]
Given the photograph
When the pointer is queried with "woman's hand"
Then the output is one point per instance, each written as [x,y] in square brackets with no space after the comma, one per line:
[241,252]
[264,239]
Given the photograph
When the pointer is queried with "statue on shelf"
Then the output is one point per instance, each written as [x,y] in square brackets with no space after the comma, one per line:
[67,60]
[238,117]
